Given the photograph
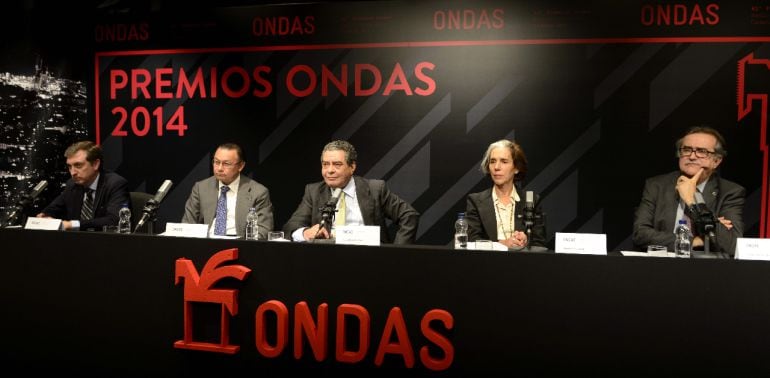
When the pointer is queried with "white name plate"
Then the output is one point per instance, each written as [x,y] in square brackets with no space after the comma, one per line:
[752,249]
[190,230]
[51,224]
[357,235]
[586,244]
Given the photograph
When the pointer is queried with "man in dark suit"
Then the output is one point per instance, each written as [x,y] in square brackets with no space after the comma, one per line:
[223,200]
[92,197]
[365,202]
[670,197]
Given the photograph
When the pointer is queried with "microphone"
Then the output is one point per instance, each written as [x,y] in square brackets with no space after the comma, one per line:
[25,201]
[529,210]
[327,211]
[152,204]
[335,197]
[704,219]
[38,188]
[162,191]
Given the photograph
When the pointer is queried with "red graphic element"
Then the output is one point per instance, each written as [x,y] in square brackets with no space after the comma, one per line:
[469,19]
[679,14]
[344,312]
[395,326]
[273,322]
[281,327]
[441,341]
[317,334]
[198,288]
[745,101]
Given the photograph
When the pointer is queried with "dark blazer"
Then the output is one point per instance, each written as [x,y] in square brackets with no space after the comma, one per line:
[482,222]
[655,216]
[111,194]
[376,201]
[201,206]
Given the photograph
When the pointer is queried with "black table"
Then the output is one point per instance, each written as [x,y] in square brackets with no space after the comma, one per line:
[94,304]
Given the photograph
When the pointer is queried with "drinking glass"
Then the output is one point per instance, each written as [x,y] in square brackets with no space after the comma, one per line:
[657,250]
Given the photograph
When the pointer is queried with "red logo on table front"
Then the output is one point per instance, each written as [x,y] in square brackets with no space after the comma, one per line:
[198,288]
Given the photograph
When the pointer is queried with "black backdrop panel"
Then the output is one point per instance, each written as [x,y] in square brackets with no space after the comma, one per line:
[595,92]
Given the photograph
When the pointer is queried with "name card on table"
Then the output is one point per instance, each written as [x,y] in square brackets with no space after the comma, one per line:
[51,224]
[357,235]
[190,230]
[586,244]
[752,249]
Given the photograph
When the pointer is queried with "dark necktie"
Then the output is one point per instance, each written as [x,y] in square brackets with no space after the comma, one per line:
[221,224]
[87,211]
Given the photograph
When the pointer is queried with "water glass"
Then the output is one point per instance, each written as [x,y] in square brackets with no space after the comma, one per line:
[657,250]
[275,235]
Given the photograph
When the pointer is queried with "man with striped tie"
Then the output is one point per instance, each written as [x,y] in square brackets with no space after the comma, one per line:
[92,197]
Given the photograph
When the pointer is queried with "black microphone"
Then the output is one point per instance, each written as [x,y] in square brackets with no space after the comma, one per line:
[152,204]
[327,211]
[704,219]
[529,210]
[25,201]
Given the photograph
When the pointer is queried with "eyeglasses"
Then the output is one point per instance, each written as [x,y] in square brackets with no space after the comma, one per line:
[225,164]
[686,151]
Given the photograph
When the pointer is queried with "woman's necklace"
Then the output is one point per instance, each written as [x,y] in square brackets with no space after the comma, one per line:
[507,234]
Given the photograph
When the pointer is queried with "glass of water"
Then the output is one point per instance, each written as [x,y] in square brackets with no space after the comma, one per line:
[657,250]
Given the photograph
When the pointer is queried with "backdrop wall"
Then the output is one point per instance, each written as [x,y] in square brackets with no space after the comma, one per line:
[595,92]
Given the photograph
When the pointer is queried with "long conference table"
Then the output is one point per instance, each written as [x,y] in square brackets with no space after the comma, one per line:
[111,305]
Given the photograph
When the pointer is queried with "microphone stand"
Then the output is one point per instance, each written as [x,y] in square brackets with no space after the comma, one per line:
[705,222]
[149,210]
[709,228]
[327,218]
[528,225]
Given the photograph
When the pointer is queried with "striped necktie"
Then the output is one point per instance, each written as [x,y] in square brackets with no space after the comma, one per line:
[87,211]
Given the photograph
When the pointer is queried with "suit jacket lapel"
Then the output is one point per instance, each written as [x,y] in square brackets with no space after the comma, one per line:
[711,192]
[209,196]
[487,213]
[242,201]
[671,201]
[365,203]
[79,195]
[323,196]
[99,193]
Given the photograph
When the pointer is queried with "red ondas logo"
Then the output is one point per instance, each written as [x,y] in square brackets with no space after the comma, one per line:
[198,288]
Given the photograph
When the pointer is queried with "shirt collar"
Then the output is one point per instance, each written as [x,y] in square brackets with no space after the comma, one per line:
[233,185]
[95,183]
[702,186]
[349,189]
[514,195]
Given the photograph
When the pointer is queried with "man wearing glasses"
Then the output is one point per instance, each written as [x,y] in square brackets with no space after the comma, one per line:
[679,195]
[223,200]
